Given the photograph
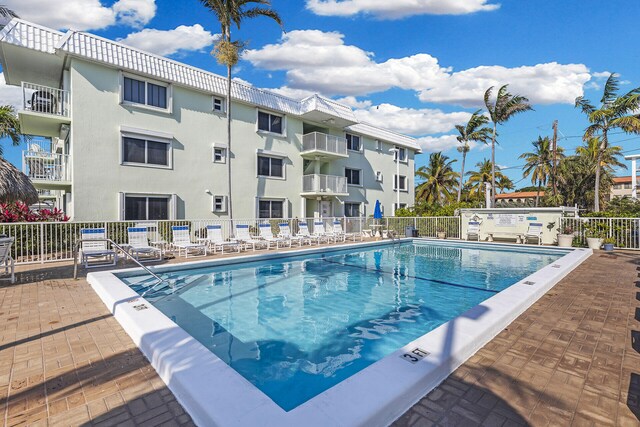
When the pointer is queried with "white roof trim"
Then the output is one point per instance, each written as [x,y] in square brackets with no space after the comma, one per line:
[272,153]
[146,133]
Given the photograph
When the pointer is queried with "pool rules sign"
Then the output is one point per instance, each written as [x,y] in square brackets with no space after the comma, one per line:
[415,355]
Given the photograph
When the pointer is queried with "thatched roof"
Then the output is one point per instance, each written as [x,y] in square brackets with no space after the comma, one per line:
[15,186]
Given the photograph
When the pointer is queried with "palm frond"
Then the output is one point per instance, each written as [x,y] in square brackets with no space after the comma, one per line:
[585,106]
[610,89]
[5,12]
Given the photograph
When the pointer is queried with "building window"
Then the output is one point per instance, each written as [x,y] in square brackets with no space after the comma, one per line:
[378,176]
[143,92]
[353,176]
[142,208]
[218,104]
[399,206]
[401,152]
[142,151]
[271,209]
[353,142]
[403,182]
[270,122]
[219,203]
[352,209]
[270,166]
[219,155]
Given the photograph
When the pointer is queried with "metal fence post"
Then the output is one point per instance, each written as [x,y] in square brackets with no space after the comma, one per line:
[42,237]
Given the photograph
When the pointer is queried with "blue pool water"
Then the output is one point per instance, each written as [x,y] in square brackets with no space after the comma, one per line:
[296,326]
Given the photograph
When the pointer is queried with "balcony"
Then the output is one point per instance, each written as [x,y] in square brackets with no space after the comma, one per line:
[44,109]
[324,185]
[317,145]
[47,170]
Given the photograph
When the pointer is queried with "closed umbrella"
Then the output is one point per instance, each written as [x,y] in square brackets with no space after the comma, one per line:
[377,216]
[15,186]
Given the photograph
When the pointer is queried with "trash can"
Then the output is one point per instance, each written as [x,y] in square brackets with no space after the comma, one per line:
[410,231]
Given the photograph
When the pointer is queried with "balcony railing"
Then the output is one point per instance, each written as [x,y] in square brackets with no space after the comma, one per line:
[43,166]
[44,99]
[328,184]
[321,142]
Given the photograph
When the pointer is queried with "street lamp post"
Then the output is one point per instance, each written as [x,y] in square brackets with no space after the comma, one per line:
[396,150]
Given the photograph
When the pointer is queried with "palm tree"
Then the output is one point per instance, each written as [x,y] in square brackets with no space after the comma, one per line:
[615,112]
[482,175]
[540,163]
[9,125]
[472,131]
[439,179]
[500,111]
[227,51]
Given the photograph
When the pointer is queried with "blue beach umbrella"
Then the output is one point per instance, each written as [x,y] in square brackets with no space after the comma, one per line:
[377,211]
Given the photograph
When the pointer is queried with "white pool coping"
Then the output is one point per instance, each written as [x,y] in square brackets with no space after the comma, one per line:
[214,394]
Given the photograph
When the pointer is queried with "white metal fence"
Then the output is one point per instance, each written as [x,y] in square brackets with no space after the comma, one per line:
[324,184]
[318,141]
[625,231]
[41,242]
[45,99]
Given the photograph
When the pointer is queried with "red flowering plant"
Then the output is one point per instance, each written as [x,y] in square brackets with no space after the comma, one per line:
[20,212]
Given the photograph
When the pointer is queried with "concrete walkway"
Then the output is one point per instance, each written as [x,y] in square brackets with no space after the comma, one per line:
[573,358]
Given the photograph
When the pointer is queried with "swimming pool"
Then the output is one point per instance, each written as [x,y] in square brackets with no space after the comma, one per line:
[301,327]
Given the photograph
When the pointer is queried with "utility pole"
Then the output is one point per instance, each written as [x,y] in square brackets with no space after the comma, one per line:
[555,152]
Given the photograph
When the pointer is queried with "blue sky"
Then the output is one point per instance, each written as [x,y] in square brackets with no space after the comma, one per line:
[415,66]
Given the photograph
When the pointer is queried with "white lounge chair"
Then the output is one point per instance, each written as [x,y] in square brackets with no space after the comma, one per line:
[6,261]
[182,241]
[473,229]
[285,232]
[338,231]
[243,235]
[139,247]
[318,230]
[304,232]
[96,249]
[533,232]
[216,241]
[266,234]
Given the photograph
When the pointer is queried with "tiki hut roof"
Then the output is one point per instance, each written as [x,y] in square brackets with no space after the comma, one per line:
[15,186]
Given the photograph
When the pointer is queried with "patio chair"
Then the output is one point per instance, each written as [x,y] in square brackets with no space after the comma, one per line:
[182,241]
[340,233]
[98,249]
[6,261]
[285,232]
[243,235]
[216,241]
[473,229]
[318,230]
[533,232]
[139,247]
[154,235]
[304,232]
[266,234]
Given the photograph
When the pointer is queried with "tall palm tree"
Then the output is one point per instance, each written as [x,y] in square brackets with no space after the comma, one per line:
[227,51]
[482,175]
[440,180]
[540,163]
[500,111]
[474,130]
[9,125]
[614,112]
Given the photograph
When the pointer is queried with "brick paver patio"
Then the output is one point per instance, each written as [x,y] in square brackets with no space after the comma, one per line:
[573,358]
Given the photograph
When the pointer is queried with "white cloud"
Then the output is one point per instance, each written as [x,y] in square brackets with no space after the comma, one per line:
[399,8]
[601,74]
[320,62]
[168,42]
[10,95]
[433,144]
[84,14]
[292,93]
[353,102]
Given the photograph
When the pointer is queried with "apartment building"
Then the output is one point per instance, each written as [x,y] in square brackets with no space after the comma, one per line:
[134,136]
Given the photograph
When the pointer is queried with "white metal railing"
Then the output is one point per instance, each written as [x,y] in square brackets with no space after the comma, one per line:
[625,231]
[44,99]
[324,184]
[318,141]
[40,165]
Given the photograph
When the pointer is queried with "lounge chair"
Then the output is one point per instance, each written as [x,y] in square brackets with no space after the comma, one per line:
[139,245]
[96,249]
[285,232]
[318,230]
[216,241]
[6,261]
[473,229]
[533,232]
[304,232]
[182,241]
[338,231]
[243,235]
[267,235]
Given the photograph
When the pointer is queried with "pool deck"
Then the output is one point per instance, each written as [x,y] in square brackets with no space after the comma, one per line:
[572,358]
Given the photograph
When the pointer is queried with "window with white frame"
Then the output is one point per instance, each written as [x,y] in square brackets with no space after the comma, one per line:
[219,203]
[268,122]
[353,176]
[270,208]
[144,92]
[399,206]
[402,184]
[143,208]
[378,176]
[271,166]
[353,142]
[218,104]
[352,209]
[146,151]
[400,153]
[219,155]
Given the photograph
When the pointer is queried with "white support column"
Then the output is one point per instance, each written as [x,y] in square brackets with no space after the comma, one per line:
[634,179]
[303,207]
